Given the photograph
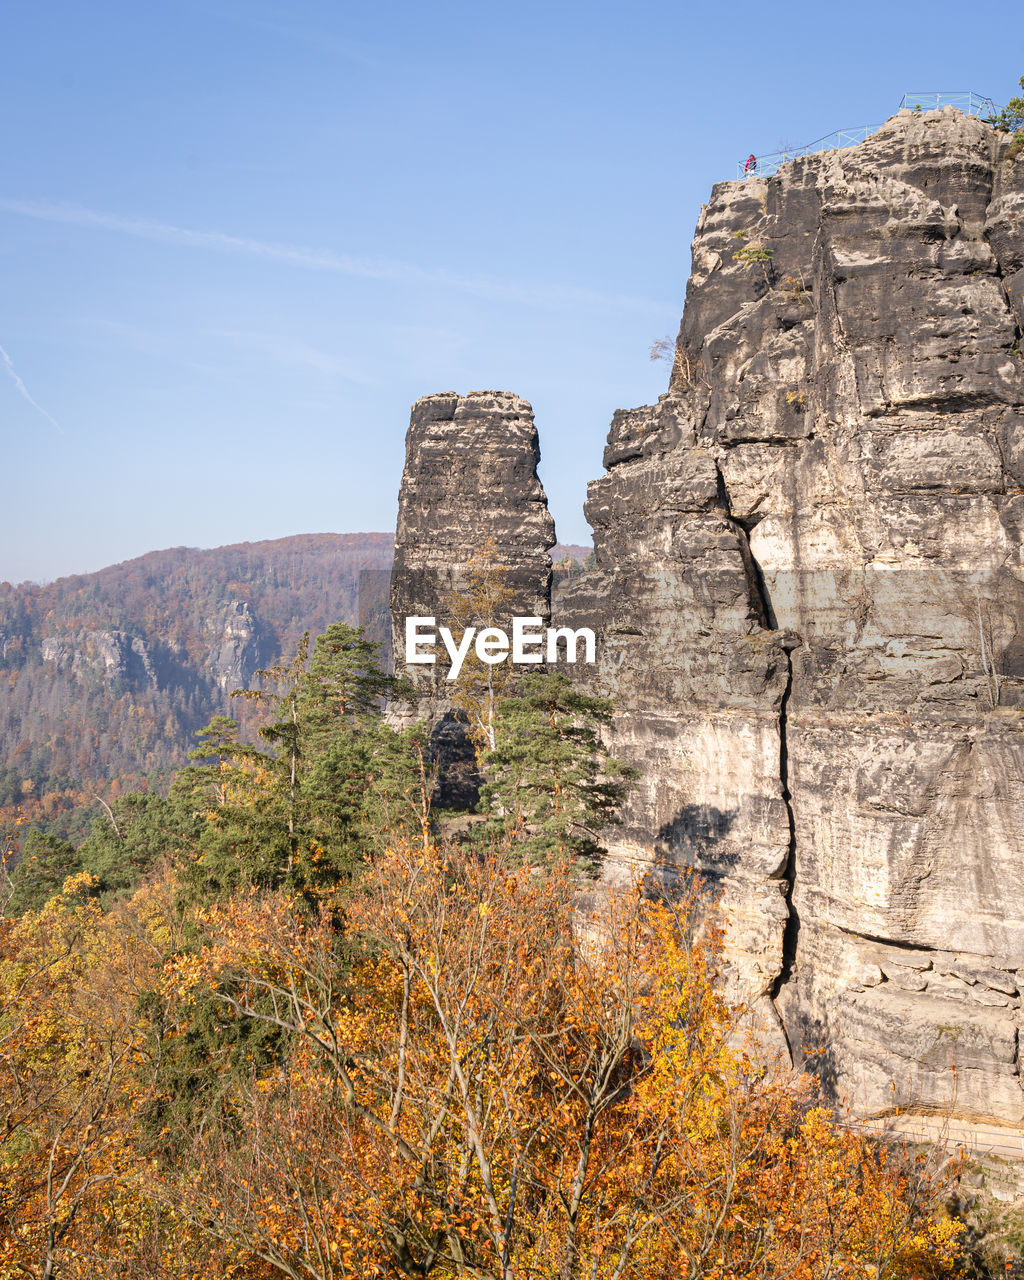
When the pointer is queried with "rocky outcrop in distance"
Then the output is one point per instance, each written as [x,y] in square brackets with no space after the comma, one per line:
[108,675]
[111,656]
[236,646]
[810,608]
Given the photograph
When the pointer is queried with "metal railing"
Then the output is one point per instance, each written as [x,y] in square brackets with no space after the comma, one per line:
[972,104]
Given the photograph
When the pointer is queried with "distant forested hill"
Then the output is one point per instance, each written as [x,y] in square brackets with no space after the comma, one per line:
[105,677]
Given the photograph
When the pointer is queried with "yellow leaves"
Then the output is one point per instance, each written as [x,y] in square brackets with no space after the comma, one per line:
[465,1032]
[186,977]
[72,1070]
[78,886]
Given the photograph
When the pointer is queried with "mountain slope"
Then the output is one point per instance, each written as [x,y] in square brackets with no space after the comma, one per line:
[108,675]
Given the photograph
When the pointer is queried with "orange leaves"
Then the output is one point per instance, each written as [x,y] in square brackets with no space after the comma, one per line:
[473,1079]
[74,1068]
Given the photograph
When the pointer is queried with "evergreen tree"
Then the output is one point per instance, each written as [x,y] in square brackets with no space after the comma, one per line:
[343,682]
[551,784]
[303,812]
[1011,118]
[231,790]
[400,782]
[45,864]
[131,839]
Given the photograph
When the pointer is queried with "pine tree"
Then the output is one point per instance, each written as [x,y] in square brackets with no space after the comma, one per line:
[130,840]
[552,785]
[45,864]
[1011,119]
[233,790]
[302,813]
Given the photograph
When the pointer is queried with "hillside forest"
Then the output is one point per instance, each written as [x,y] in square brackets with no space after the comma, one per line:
[105,678]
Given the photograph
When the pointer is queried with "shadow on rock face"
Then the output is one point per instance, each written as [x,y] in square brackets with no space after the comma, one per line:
[693,836]
[815,1052]
[458,782]
[691,843]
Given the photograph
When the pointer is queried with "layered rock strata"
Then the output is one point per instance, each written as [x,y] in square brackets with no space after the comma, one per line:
[470,480]
[811,598]
[809,603]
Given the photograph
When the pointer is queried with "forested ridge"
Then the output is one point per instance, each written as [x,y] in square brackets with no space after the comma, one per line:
[106,677]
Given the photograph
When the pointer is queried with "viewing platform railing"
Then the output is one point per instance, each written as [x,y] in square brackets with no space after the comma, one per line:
[971,104]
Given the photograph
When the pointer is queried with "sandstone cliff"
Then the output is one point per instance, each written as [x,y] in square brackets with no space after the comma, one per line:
[809,593]
[813,546]
[470,477]
[111,656]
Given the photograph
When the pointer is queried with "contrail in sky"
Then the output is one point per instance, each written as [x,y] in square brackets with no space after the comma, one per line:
[386,269]
[12,373]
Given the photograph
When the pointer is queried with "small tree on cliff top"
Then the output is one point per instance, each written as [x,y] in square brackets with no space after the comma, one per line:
[1011,118]
[486,600]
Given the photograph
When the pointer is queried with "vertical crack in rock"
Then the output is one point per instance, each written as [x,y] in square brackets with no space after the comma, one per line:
[761,596]
[841,459]
[791,931]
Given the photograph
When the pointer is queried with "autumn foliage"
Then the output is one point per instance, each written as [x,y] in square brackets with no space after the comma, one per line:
[471,1079]
[297,1027]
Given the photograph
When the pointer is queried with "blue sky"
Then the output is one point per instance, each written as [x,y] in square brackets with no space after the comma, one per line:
[237,240]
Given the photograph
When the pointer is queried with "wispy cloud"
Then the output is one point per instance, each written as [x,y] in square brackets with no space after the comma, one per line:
[12,373]
[391,270]
[279,21]
[292,351]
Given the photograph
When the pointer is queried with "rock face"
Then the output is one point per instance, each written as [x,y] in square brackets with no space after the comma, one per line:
[234,653]
[810,595]
[470,478]
[810,602]
[699,680]
[235,646]
[112,656]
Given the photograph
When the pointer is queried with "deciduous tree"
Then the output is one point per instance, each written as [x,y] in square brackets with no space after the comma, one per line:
[492,1091]
[485,598]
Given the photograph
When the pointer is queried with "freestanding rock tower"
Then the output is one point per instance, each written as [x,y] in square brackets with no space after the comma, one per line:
[470,478]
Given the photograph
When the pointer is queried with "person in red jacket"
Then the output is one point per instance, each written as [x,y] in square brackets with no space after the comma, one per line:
[751,165]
